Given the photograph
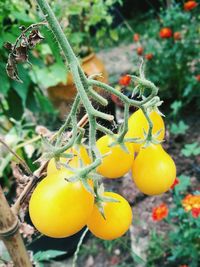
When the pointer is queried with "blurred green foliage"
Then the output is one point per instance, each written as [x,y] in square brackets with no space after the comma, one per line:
[17,97]
[79,19]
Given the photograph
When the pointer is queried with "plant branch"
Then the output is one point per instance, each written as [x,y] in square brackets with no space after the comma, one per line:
[37,175]
[21,161]
[78,247]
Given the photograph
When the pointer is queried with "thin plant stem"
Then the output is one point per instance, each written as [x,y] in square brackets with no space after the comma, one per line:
[21,161]
[78,247]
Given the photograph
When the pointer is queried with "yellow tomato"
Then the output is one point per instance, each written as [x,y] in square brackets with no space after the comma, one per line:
[59,208]
[154,171]
[79,154]
[137,123]
[118,162]
[118,218]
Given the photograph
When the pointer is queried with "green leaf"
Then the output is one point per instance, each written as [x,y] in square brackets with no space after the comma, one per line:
[44,103]
[22,88]
[50,39]
[22,16]
[15,106]
[75,9]
[114,35]
[179,128]
[137,258]
[184,183]
[191,150]
[4,84]
[176,106]
[188,90]
[47,255]
[49,76]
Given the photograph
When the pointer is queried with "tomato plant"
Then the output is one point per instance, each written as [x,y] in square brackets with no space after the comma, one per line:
[118,218]
[63,202]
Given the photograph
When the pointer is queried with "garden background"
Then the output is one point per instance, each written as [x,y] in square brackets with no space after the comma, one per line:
[111,37]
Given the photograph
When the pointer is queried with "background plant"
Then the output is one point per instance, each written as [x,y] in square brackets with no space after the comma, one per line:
[181,244]
[174,65]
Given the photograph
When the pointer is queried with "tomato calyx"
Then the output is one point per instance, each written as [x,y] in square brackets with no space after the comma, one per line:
[153,139]
[101,199]
[120,141]
[83,174]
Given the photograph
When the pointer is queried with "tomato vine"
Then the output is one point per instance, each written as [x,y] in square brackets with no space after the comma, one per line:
[85,92]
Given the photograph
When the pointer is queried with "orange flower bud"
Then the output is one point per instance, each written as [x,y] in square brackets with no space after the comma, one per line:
[190,5]
[165,33]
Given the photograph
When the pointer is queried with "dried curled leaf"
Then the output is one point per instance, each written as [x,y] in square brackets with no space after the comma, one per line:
[21,54]
[34,38]
[18,52]
[8,46]
[11,69]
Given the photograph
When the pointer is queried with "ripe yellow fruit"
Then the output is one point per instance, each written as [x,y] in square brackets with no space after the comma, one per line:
[154,171]
[59,208]
[137,123]
[118,162]
[118,218]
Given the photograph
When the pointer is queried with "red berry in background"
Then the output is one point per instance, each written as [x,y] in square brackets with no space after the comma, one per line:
[140,50]
[136,37]
[165,33]
[125,80]
[149,56]
[189,5]
[198,77]
[177,36]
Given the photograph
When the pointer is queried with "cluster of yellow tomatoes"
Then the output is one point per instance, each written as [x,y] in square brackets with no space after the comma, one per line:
[60,208]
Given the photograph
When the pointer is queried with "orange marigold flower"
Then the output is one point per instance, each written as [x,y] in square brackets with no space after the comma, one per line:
[177,36]
[125,80]
[176,181]
[196,212]
[136,37]
[183,265]
[189,5]
[165,33]
[198,77]
[140,50]
[192,203]
[149,56]
[160,212]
